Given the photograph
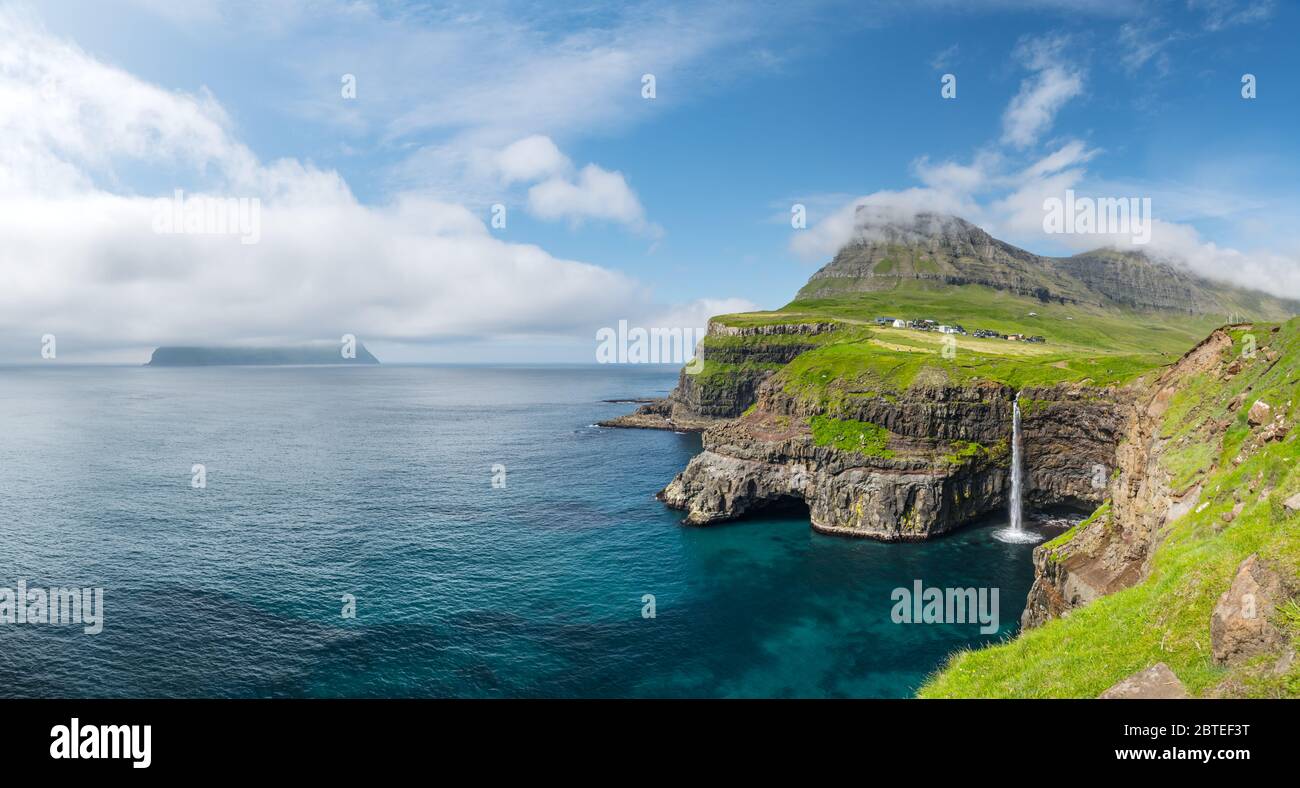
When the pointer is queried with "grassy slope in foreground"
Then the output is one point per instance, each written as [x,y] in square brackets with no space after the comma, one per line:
[1166,617]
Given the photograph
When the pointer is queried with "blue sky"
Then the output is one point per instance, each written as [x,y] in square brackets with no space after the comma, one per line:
[657,211]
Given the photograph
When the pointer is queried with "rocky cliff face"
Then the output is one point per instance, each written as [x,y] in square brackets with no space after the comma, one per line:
[1110,552]
[1069,434]
[736,361]
[733,361]
[944,459]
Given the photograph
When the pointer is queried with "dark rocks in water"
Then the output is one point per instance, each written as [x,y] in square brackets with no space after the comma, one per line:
[257,356]
[659,414]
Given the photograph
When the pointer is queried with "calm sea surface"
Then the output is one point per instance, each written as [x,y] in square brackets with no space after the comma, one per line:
[377,482]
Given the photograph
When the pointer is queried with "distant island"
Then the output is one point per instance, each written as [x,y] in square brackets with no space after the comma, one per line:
[257,356]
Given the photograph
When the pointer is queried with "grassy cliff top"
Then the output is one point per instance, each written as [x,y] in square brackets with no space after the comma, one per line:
[1089,344]
[1079,327]
[894,360]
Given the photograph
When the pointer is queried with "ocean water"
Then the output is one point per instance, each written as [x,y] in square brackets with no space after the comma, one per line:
[377,482]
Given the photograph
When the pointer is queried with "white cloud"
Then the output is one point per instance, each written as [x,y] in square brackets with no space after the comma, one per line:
[441,86]
[696,314]
[1221,14]
[1070,154]
[945,58]
[1139,44]
[594,193]
[822,240]
[80,258]
[559,192]
[1042,95]
[954,177]
[530,159]
[66,118]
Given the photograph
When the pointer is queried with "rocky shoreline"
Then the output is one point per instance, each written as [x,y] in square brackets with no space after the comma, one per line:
[657,414]
[945,461]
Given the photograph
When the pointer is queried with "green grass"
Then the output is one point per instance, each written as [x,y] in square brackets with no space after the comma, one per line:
[773,318]
[828,376]
[1084,343]
[1186,464]
[965,451]
[861,437]
[1102,346]
[972,306]
[1065,538]
[1165,618]
[722,342]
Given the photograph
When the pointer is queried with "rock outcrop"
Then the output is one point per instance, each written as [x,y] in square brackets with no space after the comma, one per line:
[1243,625]
[1157,682]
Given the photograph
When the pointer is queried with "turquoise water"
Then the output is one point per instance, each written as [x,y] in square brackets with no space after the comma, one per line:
[377,482]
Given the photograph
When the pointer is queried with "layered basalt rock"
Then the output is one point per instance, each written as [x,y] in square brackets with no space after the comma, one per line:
[946,460]
[728,381]
[1069,434]
[733,362]
[760,461]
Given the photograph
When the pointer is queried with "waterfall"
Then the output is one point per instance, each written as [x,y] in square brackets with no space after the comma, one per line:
[1016,471]
[1016,532]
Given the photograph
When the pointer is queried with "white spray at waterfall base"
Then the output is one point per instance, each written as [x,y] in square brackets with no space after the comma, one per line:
[1016,531]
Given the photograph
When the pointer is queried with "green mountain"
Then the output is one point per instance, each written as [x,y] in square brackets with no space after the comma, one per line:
[931,251]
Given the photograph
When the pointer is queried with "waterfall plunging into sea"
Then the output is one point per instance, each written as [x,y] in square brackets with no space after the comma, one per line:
[1016,532]
[1016,511]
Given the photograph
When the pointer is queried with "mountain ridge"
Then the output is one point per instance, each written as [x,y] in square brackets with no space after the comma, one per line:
[939,250]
